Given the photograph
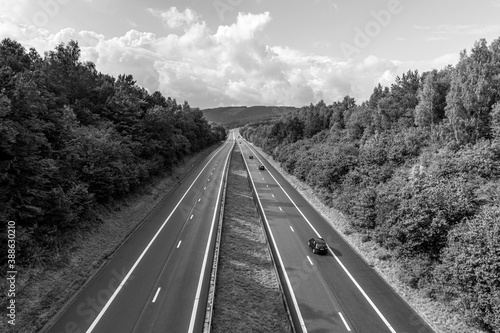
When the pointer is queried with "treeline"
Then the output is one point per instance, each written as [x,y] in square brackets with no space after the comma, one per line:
[72,137]
[416,167]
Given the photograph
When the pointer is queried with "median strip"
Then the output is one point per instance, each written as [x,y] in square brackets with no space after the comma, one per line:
[247,293]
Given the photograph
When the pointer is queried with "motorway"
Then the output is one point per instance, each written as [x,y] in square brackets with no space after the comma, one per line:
[337,292]
[158,280]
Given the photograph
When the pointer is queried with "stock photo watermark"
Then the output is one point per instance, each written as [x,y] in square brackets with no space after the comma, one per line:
[11,273]
[364,36]
[47,9]
[90,308]
[224,6]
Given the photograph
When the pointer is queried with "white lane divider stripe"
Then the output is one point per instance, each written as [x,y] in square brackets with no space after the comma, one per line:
[345,322]
[374,307]
[310,261]
[287,279]
[207,251]
[156,295]
[191,216]
[125,279]
[280,209]
[179,244]
[292,229]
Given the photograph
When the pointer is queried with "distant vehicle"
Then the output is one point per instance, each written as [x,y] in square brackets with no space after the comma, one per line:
[250,157]
[261,167]
[318,245]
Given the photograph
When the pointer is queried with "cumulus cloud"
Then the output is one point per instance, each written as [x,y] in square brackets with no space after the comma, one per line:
[229,66]
[172,18]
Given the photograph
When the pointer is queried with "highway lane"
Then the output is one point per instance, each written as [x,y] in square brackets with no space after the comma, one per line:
[157,281]
[338,292]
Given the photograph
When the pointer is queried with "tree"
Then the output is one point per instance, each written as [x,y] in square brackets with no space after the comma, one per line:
[470,268]
[432,97]
[475,88]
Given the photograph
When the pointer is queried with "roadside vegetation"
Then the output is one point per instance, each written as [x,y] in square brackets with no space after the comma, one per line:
[236,116]
[247,294]
[76,146]
[416,170]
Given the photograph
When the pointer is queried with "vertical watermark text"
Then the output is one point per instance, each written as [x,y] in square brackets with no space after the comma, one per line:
[11,273]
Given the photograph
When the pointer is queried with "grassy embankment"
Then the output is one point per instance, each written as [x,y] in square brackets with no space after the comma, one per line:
[42,291]
[441,317]
[247,294]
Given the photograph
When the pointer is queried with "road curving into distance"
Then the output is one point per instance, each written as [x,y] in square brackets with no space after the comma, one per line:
[158,280]
[337,292]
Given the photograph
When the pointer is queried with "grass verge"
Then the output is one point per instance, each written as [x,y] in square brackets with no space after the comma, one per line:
[440,316]
[44,290]
[247,293]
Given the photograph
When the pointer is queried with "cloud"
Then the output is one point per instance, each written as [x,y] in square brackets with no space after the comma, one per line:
[446,31]
[229,66]
[172,18]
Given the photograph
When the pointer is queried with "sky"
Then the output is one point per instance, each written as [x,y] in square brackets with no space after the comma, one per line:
[256,52]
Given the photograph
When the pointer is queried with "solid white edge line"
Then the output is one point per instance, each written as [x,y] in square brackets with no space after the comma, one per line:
[345,322]
[156,295]
[287,280]
[179,244]
[207,250]
[108,303]
[310,261]
[336,258]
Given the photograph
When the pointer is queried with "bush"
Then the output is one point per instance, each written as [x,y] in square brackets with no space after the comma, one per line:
[470,268]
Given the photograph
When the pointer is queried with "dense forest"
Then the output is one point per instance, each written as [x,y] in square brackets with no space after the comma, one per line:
[237,116]
[416,168]
[72,138]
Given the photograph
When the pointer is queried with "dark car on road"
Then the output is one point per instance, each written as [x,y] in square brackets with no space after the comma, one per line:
[250,157]
[261,167]
[318,245]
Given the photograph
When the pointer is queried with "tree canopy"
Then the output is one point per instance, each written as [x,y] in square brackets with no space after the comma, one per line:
[72,137]
[417,169]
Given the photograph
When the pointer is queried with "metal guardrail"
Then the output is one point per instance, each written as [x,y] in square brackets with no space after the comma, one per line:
[287,298]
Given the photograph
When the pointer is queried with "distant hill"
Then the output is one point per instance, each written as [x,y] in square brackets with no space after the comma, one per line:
[235,116]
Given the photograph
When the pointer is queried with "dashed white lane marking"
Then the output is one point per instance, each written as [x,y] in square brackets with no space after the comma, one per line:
[267,185]
[199,199]
[191,216]
[345,322]
[263,178]
[310,260]
[272,195]
[156,295]
[125,279]
[204,188]
[339,262]
[292,229]
[280,209]
[179,244]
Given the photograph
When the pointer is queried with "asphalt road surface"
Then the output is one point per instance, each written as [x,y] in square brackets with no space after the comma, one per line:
[158,279]
[337,292]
